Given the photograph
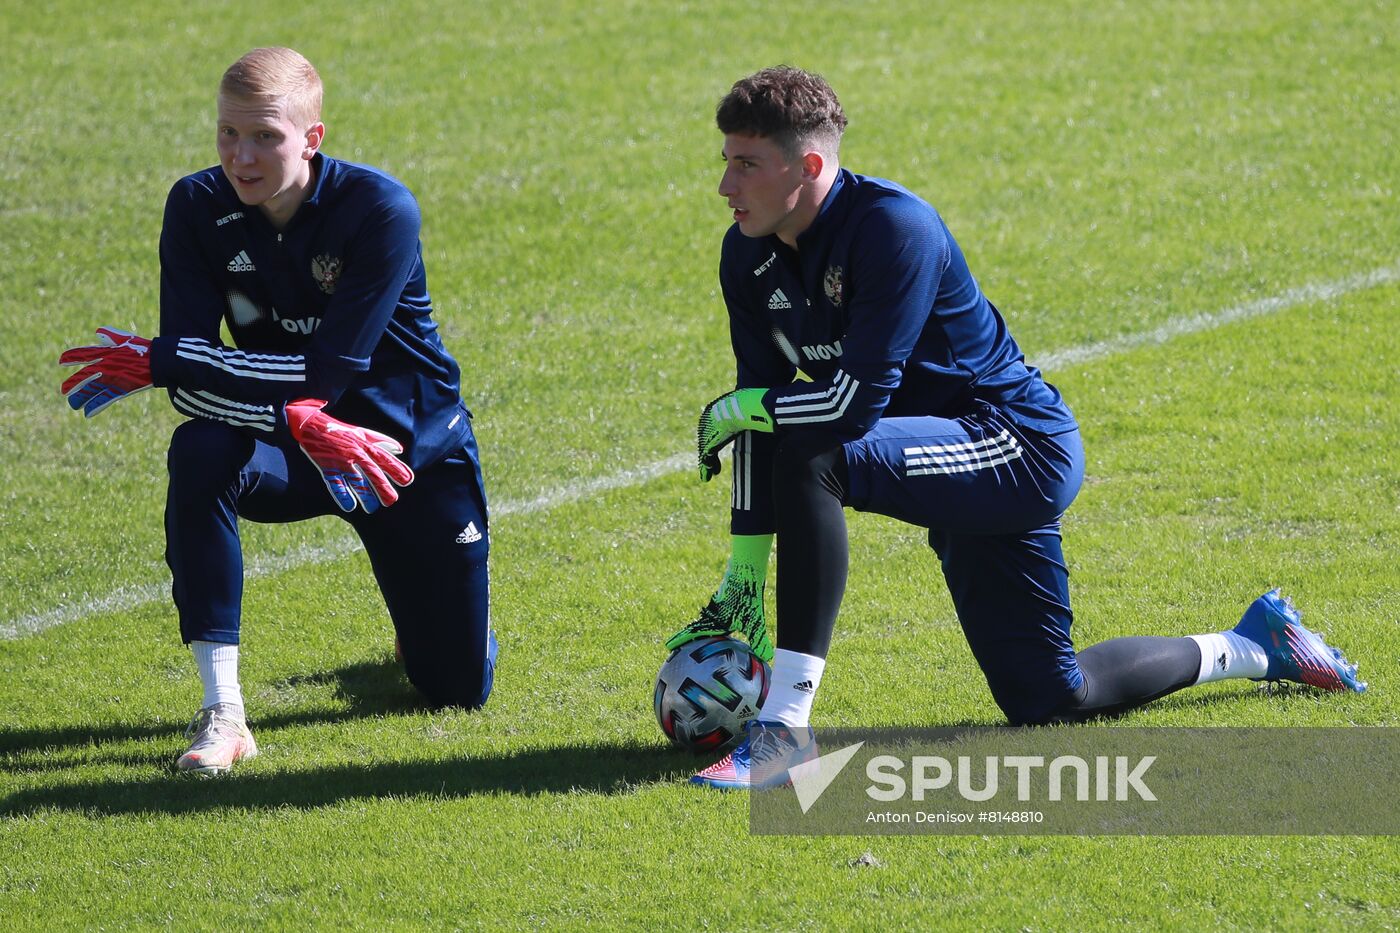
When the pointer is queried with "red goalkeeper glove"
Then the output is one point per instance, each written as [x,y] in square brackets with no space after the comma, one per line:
[117,366]
[358,464]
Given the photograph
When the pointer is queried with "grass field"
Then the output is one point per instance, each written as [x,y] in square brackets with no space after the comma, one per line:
[1186,209]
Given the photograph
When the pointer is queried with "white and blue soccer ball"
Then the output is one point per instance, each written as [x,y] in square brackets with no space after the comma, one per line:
[708,690]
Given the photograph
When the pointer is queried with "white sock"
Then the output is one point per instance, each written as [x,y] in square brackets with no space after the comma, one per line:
[1227,655]
[218,671]
[796,677]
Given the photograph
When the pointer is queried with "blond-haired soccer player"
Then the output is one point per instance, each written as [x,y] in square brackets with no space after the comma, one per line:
[336,394]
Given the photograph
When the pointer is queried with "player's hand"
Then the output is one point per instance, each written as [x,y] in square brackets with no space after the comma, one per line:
[736,608]
[118,365]
[722,419]
[358,465]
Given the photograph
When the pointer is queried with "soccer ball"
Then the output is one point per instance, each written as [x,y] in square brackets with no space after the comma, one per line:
[707,690]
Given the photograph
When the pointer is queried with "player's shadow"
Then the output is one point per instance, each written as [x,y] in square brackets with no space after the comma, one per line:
[367,688]
[610,768]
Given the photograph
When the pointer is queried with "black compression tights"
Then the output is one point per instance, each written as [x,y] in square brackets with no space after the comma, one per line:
[809,489]
[1123,673]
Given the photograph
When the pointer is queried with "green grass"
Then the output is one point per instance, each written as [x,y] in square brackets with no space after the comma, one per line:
[1107,168]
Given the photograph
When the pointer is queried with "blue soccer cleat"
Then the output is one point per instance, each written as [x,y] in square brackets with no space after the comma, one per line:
[1295,653]
[762,760]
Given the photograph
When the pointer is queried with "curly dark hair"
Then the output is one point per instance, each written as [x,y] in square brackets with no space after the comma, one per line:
[792,107]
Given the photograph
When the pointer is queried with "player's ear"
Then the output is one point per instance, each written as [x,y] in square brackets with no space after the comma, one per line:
[314,135]
[812,165]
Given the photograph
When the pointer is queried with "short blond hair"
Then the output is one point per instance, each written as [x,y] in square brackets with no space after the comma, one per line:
[277,74]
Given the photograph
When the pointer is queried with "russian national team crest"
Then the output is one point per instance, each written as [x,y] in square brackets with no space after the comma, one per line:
[833,285]
[325,269]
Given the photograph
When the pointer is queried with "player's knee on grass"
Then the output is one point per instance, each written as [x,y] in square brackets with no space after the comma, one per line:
[445,678]
[1011,593]
[1034,701]
[430,554]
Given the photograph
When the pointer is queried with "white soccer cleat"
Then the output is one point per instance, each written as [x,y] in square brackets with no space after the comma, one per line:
[221,737]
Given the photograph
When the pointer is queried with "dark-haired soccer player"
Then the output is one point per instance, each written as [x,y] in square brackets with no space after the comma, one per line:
[917,404]
[314,266]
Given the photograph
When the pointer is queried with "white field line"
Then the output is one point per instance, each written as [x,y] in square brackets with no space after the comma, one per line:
[1194,323]
[131,597]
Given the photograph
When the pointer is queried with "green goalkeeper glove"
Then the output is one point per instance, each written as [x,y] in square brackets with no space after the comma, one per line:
[722,419]
[737,605]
